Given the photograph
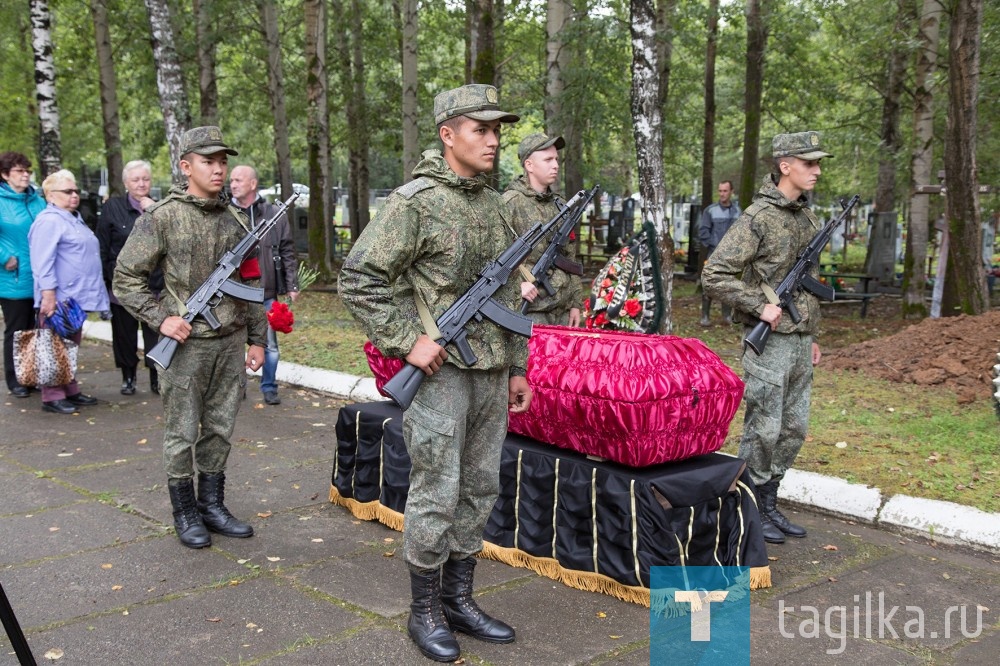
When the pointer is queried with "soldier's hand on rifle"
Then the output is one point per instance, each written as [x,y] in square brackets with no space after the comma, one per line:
[427,355]
[528,291]
[771,315]
[255,357]
[518,395]
[176,328]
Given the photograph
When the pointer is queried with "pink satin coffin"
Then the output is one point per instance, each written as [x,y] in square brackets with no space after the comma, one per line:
[633,398]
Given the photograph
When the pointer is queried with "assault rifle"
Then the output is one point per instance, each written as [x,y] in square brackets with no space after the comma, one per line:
[478,302]
[552,255]
[798,278]
[219,283]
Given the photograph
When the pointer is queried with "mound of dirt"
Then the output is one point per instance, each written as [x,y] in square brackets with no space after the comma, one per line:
[957,353]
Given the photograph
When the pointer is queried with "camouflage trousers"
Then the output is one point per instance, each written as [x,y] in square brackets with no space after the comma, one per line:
[454,431]
[778,387]
[202,390]
[557,317]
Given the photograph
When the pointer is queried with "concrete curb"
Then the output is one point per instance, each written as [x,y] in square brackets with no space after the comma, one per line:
[943,521]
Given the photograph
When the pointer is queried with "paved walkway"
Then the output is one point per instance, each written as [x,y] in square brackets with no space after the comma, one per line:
[89,561]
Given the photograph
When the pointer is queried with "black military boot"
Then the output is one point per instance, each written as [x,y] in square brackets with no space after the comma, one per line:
[778,519]
[427,626]
[128,381]
[187,521]
[462,611]
[211,498]
[771,533]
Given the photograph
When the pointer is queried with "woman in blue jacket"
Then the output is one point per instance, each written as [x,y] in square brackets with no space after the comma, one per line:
[19,204]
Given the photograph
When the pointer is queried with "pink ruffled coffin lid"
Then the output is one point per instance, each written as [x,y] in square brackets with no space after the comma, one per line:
[633,398]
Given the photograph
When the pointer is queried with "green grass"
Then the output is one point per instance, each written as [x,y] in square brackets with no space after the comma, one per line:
[900,438]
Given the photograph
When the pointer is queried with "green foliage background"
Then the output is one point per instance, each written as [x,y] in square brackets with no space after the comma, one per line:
[824,70]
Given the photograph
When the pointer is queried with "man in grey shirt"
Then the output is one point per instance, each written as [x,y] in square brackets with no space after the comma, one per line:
[715,222]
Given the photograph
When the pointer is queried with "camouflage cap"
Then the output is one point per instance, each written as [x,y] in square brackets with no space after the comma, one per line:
[204,141]
[476,100]
[538,141]
[804,145]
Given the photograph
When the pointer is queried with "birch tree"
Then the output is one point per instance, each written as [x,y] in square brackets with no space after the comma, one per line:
[276,92]
[49,143]
[109,97]
[317,130]
[169,82]
[648,133]
[965,279]
[666,12]
[921,165]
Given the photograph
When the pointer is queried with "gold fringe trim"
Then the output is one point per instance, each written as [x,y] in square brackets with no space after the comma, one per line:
[368,510]
[760,577]
[580,580]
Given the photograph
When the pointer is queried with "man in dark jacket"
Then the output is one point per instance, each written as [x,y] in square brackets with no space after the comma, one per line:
[278,268]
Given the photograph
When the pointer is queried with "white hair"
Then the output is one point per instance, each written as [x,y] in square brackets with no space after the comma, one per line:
[57,178]
[133,165]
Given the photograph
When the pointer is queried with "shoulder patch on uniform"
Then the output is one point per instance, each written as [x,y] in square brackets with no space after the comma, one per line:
[410,189]
[755,208]
[156,205]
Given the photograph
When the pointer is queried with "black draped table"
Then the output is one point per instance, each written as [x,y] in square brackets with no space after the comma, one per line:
[592,524]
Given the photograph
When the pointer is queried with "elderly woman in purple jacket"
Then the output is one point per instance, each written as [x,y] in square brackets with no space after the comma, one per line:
[66,262]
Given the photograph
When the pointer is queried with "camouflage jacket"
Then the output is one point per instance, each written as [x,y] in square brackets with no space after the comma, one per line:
[526,208]
[429,241]
[763,245]
[185,236]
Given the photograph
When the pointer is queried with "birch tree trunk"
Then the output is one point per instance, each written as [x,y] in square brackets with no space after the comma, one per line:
[208,89]
[562,115]
[109,97]
[49,143]
[276,93]
[411,135]
[965,279]
[880,260]
[915,259]
[756,12]
[648,131]
[317,130]
[480,41]
[169,82]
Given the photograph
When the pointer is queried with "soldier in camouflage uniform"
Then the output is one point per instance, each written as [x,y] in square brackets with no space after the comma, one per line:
[531,199]
[423,250]
[185,234]
[750,261]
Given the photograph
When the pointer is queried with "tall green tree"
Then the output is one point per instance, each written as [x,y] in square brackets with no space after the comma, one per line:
[109,96]
[757,13]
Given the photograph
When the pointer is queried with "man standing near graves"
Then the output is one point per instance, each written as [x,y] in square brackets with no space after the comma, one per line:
[715,222]
[750,261]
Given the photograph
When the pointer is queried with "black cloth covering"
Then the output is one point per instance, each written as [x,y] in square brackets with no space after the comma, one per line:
[610,520]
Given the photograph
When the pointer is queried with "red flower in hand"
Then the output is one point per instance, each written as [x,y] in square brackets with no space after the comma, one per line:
[280,318]
[632,307]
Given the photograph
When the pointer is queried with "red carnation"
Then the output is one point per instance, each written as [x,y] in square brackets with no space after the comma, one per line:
[600,319]
[280,318]
[632,307]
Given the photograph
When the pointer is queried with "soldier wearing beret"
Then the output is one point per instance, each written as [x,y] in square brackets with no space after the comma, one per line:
[750,261]
[184,235]
[531,199]
[421,252]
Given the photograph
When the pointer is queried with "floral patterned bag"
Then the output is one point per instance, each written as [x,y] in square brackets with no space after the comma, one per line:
[627,295]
